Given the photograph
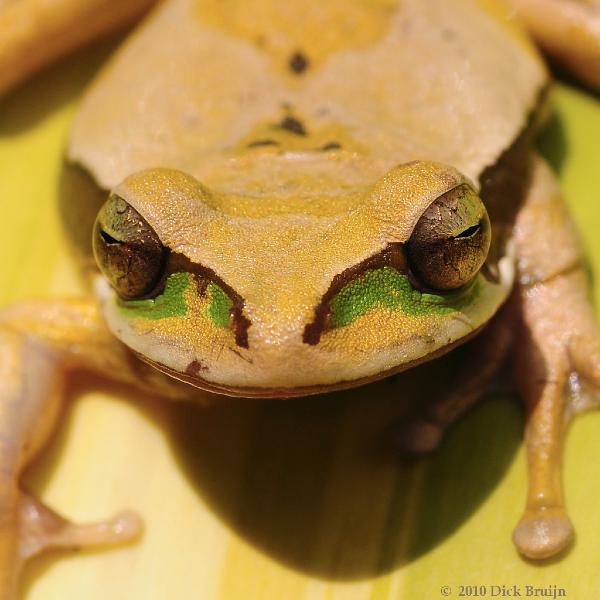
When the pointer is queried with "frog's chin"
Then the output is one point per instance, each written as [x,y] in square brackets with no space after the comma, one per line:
[294,392]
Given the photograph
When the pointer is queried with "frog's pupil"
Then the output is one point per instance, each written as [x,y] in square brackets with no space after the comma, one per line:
[108,238]
[469,232]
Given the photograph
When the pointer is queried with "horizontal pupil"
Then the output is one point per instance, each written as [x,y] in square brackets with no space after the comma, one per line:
[108,238]
[469,232]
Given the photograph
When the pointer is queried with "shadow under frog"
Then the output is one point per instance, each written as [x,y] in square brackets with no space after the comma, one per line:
[322,490]
[313,483]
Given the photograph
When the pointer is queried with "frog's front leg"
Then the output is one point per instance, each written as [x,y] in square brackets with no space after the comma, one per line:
[558,340]
[40,343]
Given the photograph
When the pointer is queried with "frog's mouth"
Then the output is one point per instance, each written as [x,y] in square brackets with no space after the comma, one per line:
[191,377]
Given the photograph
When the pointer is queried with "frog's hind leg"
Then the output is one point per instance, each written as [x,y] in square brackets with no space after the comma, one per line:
[40,343]
[483,358]
[568,31]
[34,33]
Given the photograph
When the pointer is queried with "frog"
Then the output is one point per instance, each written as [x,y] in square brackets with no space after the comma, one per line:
[265,210]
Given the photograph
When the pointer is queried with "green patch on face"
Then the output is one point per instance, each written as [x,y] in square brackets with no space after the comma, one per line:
[171,303]
[219,309]
[388,288]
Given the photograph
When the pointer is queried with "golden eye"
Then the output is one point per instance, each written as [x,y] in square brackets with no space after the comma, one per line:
[127,249]
[450,242]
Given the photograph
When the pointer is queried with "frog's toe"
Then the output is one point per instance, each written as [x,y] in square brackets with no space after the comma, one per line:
[42,528]
[416,436]
[542,536]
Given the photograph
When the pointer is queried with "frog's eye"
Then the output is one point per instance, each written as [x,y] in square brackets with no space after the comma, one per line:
[451,240]
[127,249]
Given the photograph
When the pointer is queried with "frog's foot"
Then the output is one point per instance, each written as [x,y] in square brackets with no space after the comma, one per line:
[40,528]
[568,31]
[543,533]
[545,530]
[40,343]
[483,358]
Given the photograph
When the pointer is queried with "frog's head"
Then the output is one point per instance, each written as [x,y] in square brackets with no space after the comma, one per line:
[277,302]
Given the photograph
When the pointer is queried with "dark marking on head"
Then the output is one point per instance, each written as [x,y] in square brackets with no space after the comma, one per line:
[195,368]
[201,285]
[260,143]
[448,34]
[331,146]
[292,125]
[178,263]
[391,256]
[298,63]
[241,324]
[240,355]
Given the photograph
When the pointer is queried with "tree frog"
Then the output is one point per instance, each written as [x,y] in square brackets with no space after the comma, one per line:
[281,199]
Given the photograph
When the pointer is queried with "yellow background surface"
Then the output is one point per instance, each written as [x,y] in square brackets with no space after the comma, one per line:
[283,499]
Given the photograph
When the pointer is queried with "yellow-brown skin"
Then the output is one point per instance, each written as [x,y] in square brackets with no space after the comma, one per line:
[171,127]
[568,31]
[278,222]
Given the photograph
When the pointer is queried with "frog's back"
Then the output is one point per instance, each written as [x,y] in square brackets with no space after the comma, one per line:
[252,97]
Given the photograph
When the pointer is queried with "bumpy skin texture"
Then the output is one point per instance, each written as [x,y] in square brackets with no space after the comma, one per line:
[265,261]
[284,197]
